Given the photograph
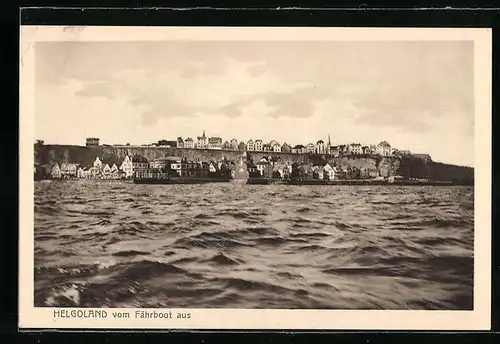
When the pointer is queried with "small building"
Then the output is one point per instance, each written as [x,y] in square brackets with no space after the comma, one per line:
[242,146]
[266,147]
[334,151]
[114,173]
[328,172]
[320,147]
[92,142]
[365,150]
[276,147]
[298,149]
[69,170]
[139,162]
[226,145]
[424,157]
[384,149]
[234,144]
[214,143]
[212,167]
[310,148]
[55,171]
[127,167]
[180,142]
[354,149]
[262,166]
[106,172]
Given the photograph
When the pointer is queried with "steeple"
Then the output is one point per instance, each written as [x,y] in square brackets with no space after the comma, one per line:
[329,142]
[203,133]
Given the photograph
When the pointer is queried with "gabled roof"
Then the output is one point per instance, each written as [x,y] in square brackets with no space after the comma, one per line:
[188,139]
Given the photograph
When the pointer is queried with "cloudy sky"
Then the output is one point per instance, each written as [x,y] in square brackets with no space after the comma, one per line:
[415,95]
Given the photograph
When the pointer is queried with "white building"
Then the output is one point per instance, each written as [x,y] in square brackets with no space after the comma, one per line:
[258,145]
[320,147]
[189,143]
[202,142]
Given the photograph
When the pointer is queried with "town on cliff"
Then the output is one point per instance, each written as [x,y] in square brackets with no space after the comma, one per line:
[271,161]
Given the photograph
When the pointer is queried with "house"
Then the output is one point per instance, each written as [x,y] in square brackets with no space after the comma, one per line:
[258,145]
[365,150]
[202,142]
[276,147]
[214,143]
[317,172]
[335,151]
[266,147]
[354,149]
[139,162]
[343,149]
[298,149]
[114,173]
[242,146]
[83,173]
[189,143]
[305,171]
[320,147]
[250,145]
[226,145]
[189,168]
[383,149]
[180,142]
[69,169]
[106,172]
[160,163]
[55,172]
[127,167]
[328,172]
[286,148]
[310,148]
[212,167]
[234,144]
[80,173]
[273,142]
[339,173]
[92,142]
[262,166]
[424,157]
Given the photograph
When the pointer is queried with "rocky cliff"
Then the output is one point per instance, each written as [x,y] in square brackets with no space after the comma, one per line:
[409,167]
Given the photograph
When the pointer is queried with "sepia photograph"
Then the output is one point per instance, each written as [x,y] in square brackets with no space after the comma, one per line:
[255,173]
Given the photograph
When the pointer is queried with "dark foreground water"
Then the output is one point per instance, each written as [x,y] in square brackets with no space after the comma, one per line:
[116,244]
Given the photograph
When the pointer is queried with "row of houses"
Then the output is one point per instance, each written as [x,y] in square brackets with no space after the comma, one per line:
[268,168]
[320,147]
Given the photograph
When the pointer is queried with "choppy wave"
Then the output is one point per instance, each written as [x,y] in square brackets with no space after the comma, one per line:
[227,245]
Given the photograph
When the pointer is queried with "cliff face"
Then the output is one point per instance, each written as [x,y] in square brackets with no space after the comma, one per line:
[407,167]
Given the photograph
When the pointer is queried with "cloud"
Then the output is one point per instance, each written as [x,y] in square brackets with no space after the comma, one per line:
[188,92]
